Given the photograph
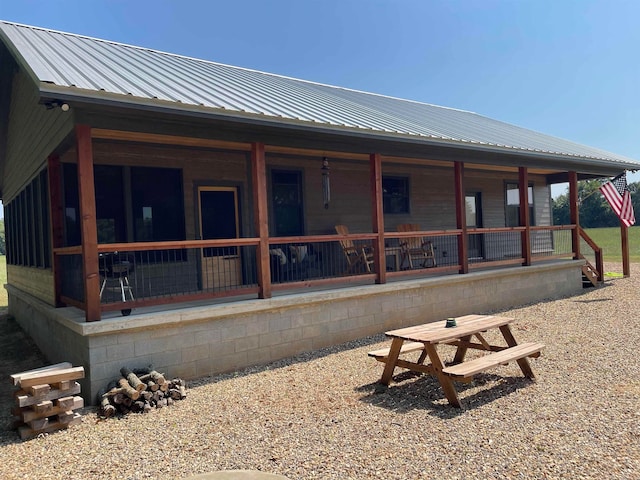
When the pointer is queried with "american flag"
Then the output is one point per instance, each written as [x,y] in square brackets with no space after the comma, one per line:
[619,197]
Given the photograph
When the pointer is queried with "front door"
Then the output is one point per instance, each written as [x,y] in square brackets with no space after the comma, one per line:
[473,203]
[218,215]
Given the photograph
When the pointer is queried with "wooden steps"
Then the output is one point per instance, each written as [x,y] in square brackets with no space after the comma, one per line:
[589,276]
[46,399]
[472,367]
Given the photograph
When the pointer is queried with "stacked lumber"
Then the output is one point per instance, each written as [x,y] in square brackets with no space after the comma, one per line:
[46,399]
[139,391]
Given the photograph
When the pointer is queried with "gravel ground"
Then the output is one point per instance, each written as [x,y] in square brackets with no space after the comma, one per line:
[318,416]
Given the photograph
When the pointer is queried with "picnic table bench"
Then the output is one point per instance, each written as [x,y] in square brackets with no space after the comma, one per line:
[465,335]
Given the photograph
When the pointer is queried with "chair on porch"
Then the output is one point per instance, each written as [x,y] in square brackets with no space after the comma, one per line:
[416,248]
[115,269]
[357,256]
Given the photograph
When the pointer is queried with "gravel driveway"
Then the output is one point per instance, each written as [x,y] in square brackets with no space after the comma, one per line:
[318,416]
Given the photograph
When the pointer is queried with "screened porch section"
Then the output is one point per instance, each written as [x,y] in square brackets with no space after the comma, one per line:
[165,272]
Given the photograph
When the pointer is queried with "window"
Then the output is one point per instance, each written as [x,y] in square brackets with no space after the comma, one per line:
[157,200]
[155,196]
[27,225]
[110,215]
[395,194]
[286,199]
[512,207]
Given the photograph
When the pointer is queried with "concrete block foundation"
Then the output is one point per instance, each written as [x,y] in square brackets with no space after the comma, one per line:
[195,340]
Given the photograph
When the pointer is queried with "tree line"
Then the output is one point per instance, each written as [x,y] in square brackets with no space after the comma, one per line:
[595,211]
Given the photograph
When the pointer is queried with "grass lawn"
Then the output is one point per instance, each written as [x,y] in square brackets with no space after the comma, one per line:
[609,240]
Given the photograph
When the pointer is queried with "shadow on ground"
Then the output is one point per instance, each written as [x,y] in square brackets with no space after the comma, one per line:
[407,393]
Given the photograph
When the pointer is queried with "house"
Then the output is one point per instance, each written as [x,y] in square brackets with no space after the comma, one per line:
[174,211]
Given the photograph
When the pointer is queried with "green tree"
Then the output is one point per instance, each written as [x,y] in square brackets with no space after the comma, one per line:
[595,211]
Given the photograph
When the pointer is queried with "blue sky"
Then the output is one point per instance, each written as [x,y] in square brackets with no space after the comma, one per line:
[568,68]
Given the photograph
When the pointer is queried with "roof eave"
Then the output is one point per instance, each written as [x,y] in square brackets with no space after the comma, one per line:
[530,157]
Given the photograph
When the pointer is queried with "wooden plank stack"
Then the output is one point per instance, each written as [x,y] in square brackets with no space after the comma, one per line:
[46,399]
[139,391]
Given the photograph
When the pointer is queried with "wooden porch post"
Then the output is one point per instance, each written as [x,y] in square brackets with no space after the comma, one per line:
[88,226]
[54,172]
[624,237]
[525,221]
[261,219]
[574,214]
[461,217]
[377,216]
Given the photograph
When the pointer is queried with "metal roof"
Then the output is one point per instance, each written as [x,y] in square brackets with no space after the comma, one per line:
[86,66]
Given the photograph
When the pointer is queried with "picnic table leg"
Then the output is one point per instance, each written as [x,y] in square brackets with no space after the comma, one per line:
[392,359]
[461,350]
[511,341]
[445,381]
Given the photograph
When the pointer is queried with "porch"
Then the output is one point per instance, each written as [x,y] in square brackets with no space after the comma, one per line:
[165,273]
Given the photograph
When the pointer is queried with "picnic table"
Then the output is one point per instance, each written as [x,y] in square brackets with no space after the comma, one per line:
[465,335]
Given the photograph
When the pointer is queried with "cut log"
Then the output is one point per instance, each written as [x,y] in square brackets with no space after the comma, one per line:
[155,376]
[106,409]
[118,398]
[153,386]
[128,390]
[133,379]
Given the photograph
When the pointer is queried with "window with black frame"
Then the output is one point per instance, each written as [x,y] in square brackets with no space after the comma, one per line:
[286,198]
[156,199]
[395,194]
[512,205]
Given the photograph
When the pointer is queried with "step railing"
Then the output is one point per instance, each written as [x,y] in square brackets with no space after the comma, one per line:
[591,253]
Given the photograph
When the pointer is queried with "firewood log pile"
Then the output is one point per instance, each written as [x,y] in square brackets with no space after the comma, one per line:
[139,391]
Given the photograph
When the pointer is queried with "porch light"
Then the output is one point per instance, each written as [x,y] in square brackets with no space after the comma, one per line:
[57,104]
[326,186]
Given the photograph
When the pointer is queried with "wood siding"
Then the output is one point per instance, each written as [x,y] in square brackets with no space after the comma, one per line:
[431,195]
[33,133]
[35,281]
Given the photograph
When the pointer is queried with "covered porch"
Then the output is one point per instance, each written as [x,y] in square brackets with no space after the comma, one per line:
[239,227]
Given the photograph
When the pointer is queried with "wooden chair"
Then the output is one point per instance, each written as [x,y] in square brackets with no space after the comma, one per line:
[416,248]
[357,256]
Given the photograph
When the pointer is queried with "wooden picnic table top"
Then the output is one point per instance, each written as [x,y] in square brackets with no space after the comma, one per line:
[436,332]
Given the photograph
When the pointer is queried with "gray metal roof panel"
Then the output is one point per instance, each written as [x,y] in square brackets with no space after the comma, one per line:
[74,61]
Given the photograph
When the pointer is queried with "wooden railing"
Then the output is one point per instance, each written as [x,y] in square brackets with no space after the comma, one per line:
[178,271]
[594,255]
